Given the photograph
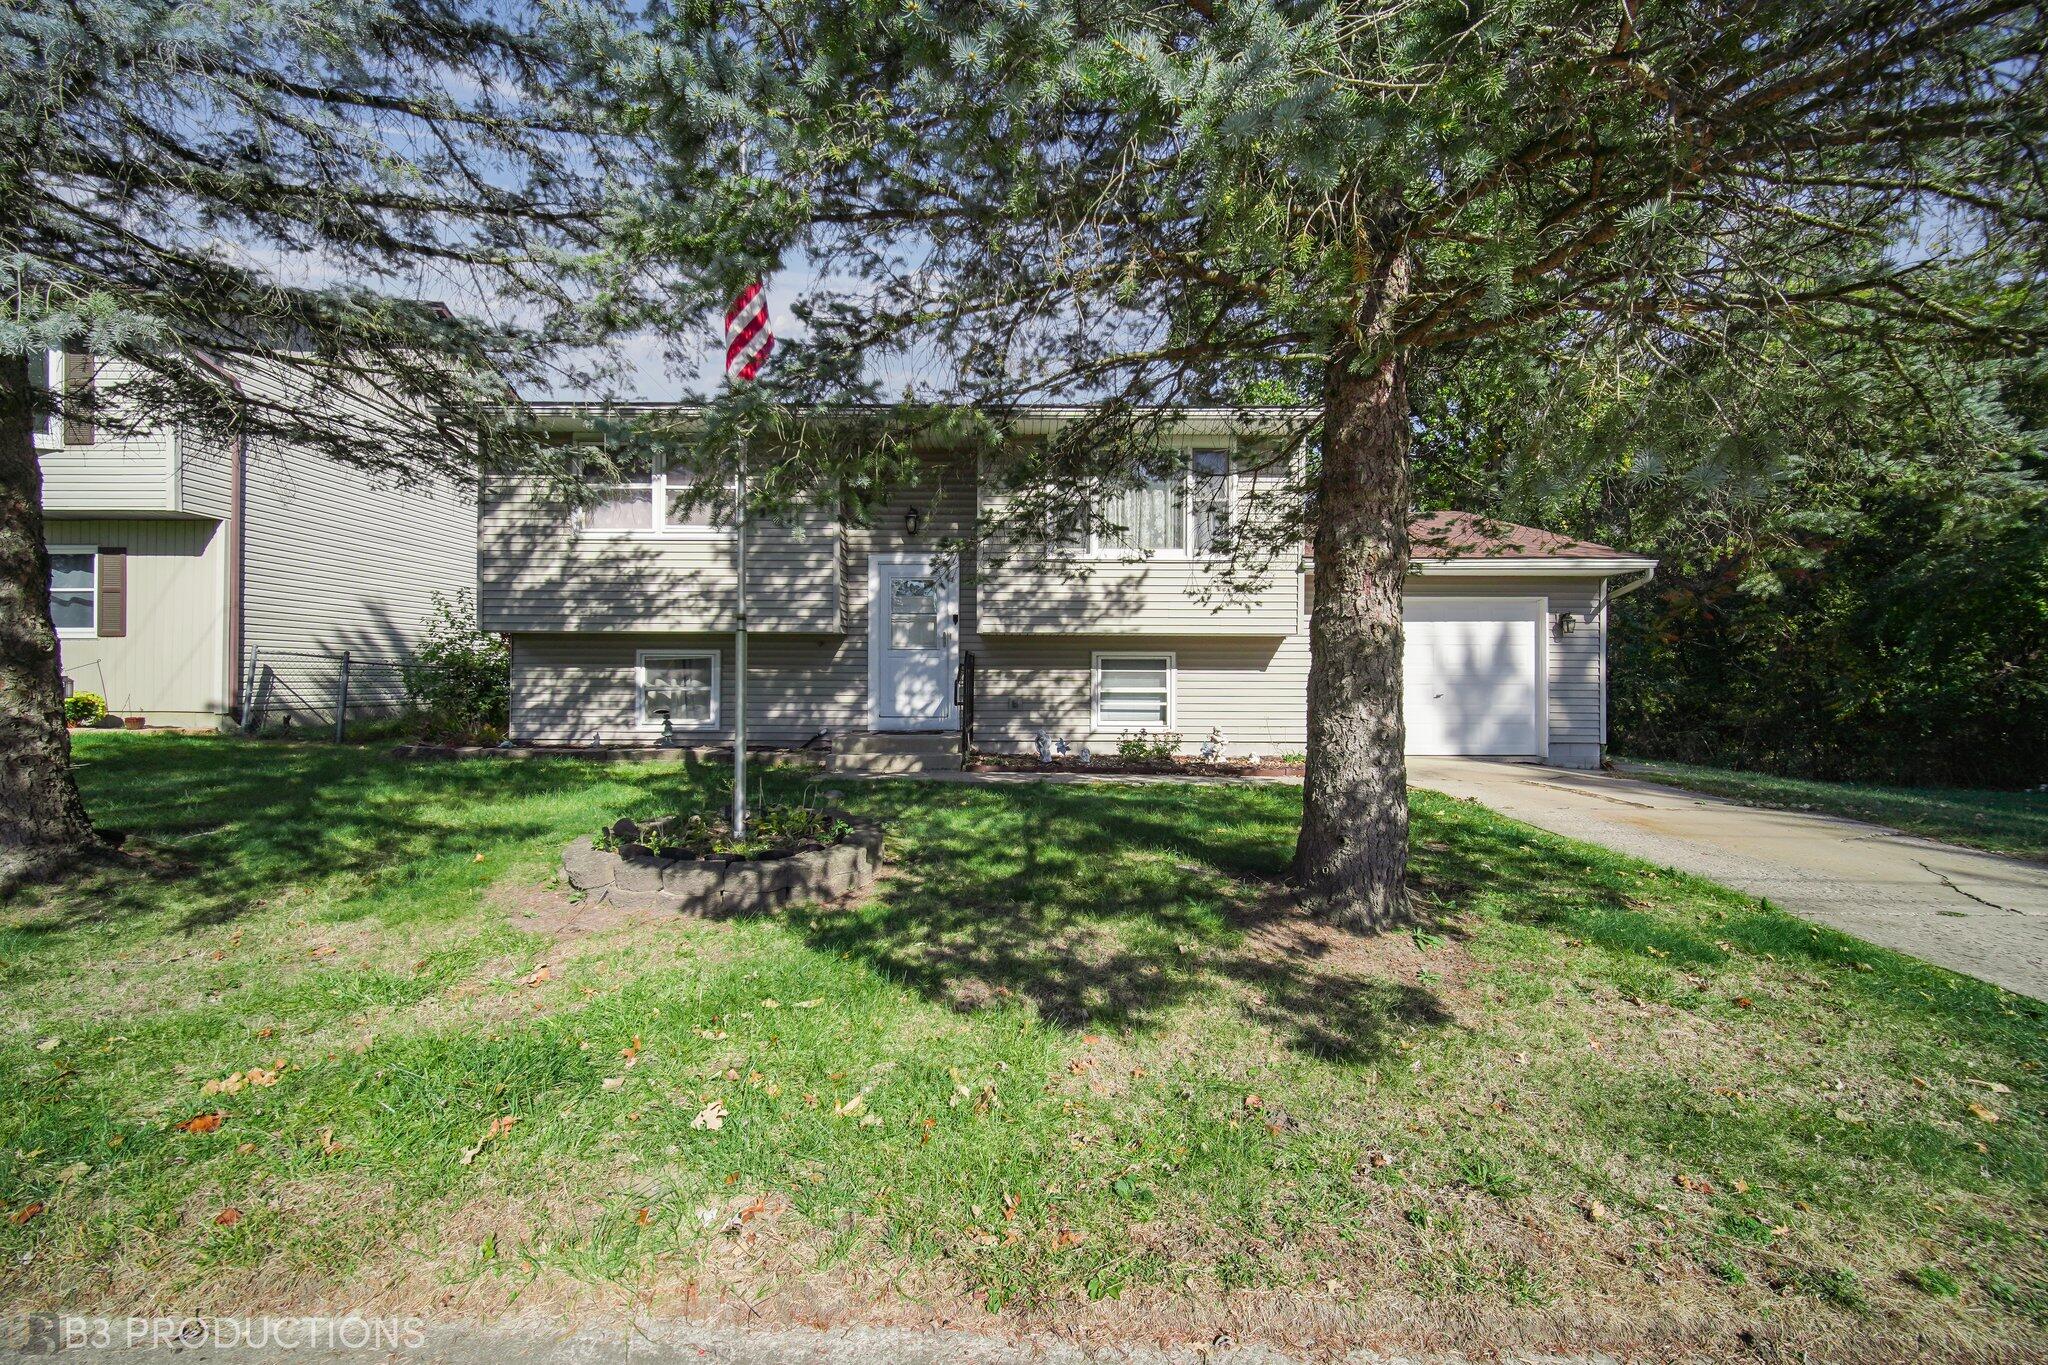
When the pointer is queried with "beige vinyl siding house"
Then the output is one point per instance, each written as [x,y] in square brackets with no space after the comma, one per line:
[864,630]
[232,553]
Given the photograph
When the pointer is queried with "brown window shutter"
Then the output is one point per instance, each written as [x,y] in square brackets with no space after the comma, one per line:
[77,384]
[113,591]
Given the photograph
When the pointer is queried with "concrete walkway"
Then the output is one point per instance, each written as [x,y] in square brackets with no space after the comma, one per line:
[1976,913]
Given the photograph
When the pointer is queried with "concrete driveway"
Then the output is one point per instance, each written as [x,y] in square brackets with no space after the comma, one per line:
[1976,913]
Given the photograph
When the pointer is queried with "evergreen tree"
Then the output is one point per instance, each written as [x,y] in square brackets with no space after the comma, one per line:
[1146,206]
[209,189]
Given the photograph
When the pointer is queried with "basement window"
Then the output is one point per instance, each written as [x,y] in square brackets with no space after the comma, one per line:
[1133,691]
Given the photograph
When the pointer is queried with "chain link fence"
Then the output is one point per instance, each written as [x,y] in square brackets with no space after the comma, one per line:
[313,692]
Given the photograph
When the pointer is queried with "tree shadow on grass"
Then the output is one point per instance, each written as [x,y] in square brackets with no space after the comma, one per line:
[1103,907]
[216,826]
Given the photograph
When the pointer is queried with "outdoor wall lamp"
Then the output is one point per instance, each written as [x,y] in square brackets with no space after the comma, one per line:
[1566,624]
[911,521]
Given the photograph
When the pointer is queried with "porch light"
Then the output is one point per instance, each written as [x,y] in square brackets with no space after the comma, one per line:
[1566,624]
[912,519]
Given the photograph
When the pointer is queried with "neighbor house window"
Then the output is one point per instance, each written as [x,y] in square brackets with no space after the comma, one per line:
[75,590]
[45,377]
[657,499]
[682,683]
[1133,691]
[1186,511]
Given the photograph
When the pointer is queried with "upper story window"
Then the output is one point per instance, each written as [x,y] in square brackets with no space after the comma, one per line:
[46,377]
[1180,513]
[75,590]
[657,499]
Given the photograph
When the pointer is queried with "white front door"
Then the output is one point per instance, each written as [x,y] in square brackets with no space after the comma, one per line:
[1472,672]
[913,643]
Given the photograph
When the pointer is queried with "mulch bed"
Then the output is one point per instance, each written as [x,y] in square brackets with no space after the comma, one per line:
[1112,765]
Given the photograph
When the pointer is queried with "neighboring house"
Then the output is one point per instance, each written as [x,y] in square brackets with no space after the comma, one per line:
[860,633]
[192,574]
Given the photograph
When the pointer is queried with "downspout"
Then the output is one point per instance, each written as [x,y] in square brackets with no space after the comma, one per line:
[1641,580]
[238,537]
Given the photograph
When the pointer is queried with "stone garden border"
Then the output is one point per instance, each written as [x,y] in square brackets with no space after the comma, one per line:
[717,887]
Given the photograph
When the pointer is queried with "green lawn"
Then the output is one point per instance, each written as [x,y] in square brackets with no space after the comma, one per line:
[2004,822]
[1070,1066]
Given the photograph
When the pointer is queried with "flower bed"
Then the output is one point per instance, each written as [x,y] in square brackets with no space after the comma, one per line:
[1111,765]
[691,866]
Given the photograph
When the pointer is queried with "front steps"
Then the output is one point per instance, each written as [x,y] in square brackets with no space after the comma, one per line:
[878,754]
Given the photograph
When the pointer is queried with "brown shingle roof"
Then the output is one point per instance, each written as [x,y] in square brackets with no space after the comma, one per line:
[1467,535]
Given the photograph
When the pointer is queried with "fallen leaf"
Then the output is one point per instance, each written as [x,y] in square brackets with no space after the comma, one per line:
[613,1082]
[631,1051]
[807,1004]
[500,1126]
[50,1044]
[1741,1186]
[771,1004]
[853,1107]
[1595,1211]
[244,1148]
[322,951]
[201,1123]
[711,1117]
[1983,1114]
[1743,1002]
[328,1146]
[871,1120]
[1995,1087]
[478,858]
[24,1213]
[227,1217]
[538,974]
[1254,1102]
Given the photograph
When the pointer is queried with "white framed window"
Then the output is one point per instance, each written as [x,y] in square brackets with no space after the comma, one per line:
[46,377]
[681,682]
[1132,691]
[1186,513]
[655,500]
[75,591]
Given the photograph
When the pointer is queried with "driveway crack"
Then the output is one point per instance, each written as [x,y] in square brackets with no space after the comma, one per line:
[1943,878]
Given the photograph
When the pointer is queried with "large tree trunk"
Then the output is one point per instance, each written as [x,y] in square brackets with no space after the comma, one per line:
[42,820]
[1352,856]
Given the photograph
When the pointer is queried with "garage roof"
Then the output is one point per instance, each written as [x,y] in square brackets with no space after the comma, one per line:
[1467,543]
[1467,535]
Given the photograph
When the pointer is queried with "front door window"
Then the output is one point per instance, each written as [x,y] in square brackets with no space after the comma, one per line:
[913,647]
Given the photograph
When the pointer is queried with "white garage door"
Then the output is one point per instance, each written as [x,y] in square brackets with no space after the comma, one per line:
[1473,675]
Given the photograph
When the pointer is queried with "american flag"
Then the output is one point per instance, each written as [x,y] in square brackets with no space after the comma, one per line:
[747,338]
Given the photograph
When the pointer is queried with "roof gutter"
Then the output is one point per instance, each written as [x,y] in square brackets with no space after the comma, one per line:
[1482,566]
[238,537]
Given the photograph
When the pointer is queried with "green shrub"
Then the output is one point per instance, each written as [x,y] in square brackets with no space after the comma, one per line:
[1142,747]
[84,708]
[459,680]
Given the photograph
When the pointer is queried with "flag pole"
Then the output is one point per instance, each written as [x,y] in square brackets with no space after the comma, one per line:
[739,667]
[739,639]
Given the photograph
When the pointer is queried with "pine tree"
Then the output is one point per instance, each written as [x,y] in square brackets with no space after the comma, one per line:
[210,189]
[1144,206]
